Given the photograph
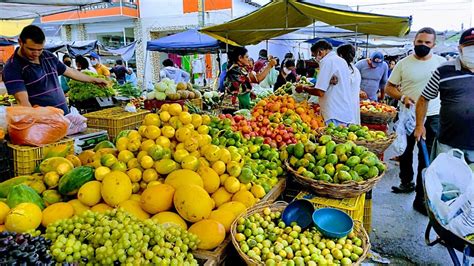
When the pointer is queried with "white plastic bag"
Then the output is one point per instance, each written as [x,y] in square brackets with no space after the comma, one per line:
[403,127]
[449,185]
[78,123]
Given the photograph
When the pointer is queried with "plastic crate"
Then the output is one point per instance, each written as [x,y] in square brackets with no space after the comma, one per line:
[354,207]
[4,161]
[88,139]
[115,120]
[367,215]
[26,158]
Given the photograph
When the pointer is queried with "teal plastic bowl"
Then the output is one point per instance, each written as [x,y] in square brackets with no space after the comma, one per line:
[299,211]
[332,223]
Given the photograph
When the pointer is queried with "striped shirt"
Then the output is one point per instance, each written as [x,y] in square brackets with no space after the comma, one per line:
[455,86]
[40,81]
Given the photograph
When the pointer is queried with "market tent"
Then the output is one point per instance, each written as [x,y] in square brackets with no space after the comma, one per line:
[23,9]
[76,48]
[283,16]
[332,41]
[6,42]
[186,42]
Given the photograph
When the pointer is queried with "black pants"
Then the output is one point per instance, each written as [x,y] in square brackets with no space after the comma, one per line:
[406,160]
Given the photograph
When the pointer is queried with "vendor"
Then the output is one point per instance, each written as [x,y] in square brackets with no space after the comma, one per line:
[286,74]
[95,62]
[31,74]
[238,79]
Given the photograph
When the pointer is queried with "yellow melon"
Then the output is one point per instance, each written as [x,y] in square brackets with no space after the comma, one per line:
[133,207]
[157,198]
[89,193]
[236,207]
[182,177]
[210,179]
[221,196]
[246,197]
[78,206]
[57,211]
[4,209]
[116,188]
[170,218]
[225,217]
[192,202]
[210,233]
[135,197]
[23,217]
[101,208]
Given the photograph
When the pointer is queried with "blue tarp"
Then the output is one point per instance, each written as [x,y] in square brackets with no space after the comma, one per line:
[186,42]
[333,42]
[6,42]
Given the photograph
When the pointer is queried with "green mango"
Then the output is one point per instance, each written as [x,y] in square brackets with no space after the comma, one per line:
[342,158]
[360,133]
[343,176]
[339,166]
[353,128]
[345,168]
[332,159]
[350,145]
[321,152]
[330,170]
[284,155]
[324,177]
[353,161]
[324,139]
[361,169]
[373,172]
[370,161]
[321,162]
[380,166]
[310,158]
[309,174]
[340,149]
[299,150]
[358,150]
[290,149]
[332,125]
[355,176]
[319,170]
[367,154]
[303,162]
[309,147]
[330,146]
[311,167]
[293,160]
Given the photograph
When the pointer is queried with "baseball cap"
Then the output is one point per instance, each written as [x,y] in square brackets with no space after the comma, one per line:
[467,37]
[94,55]
[377,58]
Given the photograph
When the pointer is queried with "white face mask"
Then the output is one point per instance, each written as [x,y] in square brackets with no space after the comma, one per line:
[467,56]
[94,62]
[286,70]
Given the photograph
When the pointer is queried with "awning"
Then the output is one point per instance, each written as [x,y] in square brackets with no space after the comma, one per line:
[186,42]
[23,9]
[12,28]
[7,42]
[283,16]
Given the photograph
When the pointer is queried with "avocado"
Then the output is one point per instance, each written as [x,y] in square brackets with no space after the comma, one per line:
[330,146]
[361,169]
[353,161]
[332,159]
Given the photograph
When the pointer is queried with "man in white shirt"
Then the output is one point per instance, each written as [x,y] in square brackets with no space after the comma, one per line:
[412,74]
[335,98]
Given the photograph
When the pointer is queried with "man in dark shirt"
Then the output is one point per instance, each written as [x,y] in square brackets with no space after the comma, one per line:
[454,82]
[119,70]
[31,74]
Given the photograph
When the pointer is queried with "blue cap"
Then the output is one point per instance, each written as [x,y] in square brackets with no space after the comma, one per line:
[376,58]
[94,55]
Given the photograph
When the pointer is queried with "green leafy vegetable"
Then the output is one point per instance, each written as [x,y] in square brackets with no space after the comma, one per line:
[81,91]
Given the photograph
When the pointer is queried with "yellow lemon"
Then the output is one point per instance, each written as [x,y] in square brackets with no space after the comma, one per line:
[212,153]
[221,196]
[141,130]
[134,135]
[206,120]
[100,172]
[133,163]
[163,141]
[135,174]
[195,154]
[168,131]
[150,175]
[204,140]
[185,118]
[191,144]
[147,144]
[141,154]
[152,132]
[190,162]
[223,178]
[175,109]
[258,191]
[146,162]
[151,120]
[224,155]
[165,116]
[165,107]
[182,134]
[219,167]
[153,183]
[232,184]
[122,143]
[203,129]
[125,156]
[4,209]
[179,155]
[196,120]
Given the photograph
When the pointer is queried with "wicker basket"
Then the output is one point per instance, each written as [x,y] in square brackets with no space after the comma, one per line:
[280,206]
[377,117]
[348,189]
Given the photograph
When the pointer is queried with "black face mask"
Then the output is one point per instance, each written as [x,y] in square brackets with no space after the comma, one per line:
[422,50]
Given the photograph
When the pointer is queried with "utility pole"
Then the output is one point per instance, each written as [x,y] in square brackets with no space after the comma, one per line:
[201,11]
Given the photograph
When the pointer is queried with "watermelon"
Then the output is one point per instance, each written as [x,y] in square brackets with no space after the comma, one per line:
[74,179]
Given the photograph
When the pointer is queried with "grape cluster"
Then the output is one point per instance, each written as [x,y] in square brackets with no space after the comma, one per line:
[24,249]
[115,237]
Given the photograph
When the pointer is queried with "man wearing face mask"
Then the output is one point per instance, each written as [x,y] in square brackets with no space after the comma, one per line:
[454,83]
[412,74]
[95,62]
[335,98]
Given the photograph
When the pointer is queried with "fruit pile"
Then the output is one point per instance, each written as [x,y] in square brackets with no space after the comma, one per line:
[24,249]
[376,107]
[354,132]
[166,89]
[265,238]
[116,237]
[333,163]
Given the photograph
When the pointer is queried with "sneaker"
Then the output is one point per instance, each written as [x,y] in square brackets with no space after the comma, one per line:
[419,206]
[404,188]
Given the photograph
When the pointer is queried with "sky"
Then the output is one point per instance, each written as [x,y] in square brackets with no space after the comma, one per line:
[439,14]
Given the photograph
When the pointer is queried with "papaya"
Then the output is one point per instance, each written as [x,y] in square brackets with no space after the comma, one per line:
[53,163]
[86,157]
[353,161]
[74,179]
[23,193]
[330,146]
[58,151]
[74,160]
[51,197]
[104,144]
[7,185]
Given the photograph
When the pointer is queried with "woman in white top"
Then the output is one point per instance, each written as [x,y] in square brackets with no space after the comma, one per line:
[347,52]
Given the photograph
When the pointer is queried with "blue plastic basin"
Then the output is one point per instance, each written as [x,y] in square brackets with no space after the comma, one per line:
[332,223]
[299,211]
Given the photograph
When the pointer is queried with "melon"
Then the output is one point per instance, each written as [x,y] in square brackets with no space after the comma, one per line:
[210,233]
[157,198]
[170,218]
[116,188]
[192,202]
[57,211]
[181,177]
[134,209]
